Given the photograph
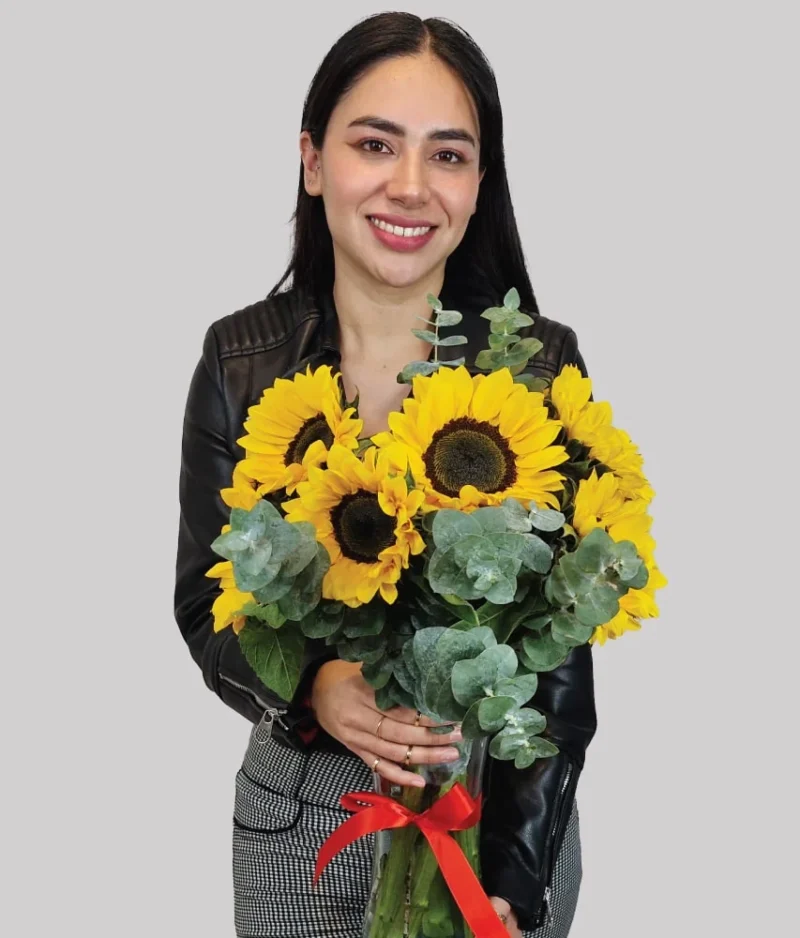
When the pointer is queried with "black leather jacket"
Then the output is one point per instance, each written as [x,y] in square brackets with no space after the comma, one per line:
[525,811]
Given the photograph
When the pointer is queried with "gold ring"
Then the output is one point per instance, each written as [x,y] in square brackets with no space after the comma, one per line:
[417,718]
[378,730]
[375,764]
[407,759]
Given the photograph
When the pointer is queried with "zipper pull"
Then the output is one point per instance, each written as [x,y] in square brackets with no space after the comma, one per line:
[263,730]
[549,915]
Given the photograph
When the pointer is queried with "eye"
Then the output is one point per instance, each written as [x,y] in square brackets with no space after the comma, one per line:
[458,157]
[380,143]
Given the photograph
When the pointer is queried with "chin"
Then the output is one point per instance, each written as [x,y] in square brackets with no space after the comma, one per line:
[401,276]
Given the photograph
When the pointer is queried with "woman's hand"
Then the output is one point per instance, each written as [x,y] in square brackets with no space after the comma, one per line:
[502,908]
[345,708]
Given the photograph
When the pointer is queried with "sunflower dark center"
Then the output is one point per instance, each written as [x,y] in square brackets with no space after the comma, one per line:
[362,529]
[315,428]
[469,452]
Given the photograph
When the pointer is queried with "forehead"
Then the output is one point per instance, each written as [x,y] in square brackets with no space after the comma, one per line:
[418,92]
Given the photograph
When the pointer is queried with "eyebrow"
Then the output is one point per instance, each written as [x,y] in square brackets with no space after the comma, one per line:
[389,127]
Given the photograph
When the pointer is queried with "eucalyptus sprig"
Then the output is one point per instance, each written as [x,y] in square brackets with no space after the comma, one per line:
[506,348]
[441,317]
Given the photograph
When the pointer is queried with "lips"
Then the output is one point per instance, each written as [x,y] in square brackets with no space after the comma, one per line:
[399,242]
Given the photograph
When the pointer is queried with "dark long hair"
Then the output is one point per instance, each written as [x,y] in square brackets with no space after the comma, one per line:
[489,260]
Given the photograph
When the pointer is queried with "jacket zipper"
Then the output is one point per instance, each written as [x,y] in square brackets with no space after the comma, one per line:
[270,715]
[548,891]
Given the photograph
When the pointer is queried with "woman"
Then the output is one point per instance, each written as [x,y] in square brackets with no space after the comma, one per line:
[402,126]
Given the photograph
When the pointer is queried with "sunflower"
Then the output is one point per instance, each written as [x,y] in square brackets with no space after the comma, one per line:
[242,492]
[293,426]
[589,422]
[601,502]
[231,600]
[476,440]
[363,514]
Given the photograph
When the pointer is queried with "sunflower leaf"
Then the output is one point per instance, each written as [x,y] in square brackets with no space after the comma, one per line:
[275,655]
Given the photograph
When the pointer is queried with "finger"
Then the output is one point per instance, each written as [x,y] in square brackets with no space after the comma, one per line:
[405,715]
[396,752]
[397,732]
[506,913]
[390,770]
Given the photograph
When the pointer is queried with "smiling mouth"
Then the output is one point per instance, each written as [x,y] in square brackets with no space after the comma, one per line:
[402,232]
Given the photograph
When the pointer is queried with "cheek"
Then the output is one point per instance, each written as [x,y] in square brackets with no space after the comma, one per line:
[347,181]
[459,197]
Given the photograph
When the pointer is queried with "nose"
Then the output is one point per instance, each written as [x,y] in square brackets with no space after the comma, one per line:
[409,180]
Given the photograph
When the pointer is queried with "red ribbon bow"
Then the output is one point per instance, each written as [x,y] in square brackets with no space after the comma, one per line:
[455,811]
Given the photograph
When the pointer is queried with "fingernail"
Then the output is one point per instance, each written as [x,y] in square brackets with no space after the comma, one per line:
[456,734]
[419,782]
[451,753]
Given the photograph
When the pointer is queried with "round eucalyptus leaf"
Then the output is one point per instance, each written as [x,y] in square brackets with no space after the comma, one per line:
[546,519]
[568,630]
[492,712]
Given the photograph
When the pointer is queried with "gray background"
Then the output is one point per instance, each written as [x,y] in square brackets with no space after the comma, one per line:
[149,168]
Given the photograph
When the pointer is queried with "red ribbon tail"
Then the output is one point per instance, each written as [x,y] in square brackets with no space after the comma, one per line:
[384,813]
[465,885]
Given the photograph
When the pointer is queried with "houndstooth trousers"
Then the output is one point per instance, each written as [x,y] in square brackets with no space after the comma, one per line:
[286,805]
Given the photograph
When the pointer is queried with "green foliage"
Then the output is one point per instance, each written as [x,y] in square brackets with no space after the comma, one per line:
[480,555]
[587,583]
[274,654]
[441,318]
[278,562]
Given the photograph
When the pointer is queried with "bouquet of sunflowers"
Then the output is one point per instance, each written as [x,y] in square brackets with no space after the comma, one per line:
[501,521]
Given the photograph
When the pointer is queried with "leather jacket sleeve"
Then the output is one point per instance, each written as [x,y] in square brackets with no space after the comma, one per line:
[526,810]
[208,456]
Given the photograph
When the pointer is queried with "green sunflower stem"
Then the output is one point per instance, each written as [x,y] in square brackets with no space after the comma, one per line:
[411,896]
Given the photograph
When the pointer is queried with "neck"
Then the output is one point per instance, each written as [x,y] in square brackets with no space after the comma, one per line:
[376,320]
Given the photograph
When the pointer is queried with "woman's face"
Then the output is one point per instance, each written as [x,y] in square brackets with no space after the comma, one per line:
[376,169]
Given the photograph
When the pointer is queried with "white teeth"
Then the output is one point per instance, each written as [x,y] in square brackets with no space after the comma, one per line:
[396,229]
